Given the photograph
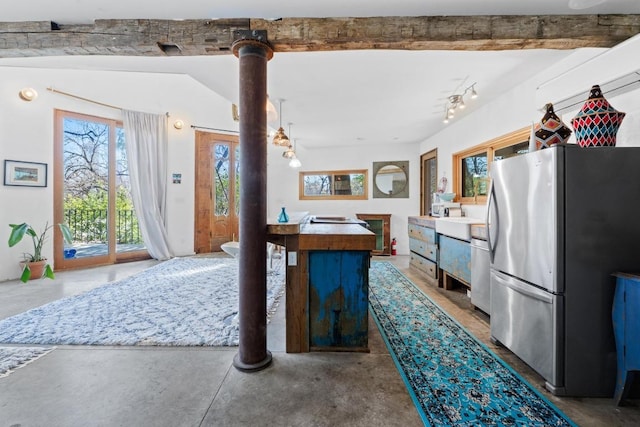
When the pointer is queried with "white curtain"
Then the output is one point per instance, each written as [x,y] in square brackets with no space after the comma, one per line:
[146,143]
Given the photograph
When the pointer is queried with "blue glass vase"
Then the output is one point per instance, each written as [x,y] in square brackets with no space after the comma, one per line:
[283,217]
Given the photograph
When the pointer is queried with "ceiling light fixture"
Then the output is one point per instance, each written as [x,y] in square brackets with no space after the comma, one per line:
[456,102]
[28,94]
[281,139]
[289,152]
[295,161]
[272,114]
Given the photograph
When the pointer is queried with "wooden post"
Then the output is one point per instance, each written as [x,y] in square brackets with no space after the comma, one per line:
[253,51]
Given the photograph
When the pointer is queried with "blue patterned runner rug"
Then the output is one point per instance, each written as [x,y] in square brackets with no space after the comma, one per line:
[452,377]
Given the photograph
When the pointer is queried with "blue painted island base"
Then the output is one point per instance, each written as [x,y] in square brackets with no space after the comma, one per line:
[626,327]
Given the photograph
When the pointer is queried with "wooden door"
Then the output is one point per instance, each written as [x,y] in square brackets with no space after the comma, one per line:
[217,191]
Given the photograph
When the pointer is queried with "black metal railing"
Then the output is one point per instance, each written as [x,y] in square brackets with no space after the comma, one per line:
[90,226]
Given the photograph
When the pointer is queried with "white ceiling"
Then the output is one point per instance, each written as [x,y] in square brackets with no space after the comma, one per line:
[365,97]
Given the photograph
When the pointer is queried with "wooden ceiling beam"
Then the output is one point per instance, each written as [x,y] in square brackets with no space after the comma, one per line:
[149,37]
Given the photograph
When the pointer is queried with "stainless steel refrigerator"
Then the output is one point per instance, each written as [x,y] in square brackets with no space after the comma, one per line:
[560,222]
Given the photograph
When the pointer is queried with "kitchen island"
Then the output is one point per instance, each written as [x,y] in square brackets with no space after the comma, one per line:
[327,282]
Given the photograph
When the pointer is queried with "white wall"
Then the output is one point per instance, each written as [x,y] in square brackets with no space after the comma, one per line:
[283,184]
[26,133]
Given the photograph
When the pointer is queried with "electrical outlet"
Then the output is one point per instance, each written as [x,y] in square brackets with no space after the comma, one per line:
[292,258]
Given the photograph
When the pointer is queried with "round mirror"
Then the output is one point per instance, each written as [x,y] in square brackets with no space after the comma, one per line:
[391,179]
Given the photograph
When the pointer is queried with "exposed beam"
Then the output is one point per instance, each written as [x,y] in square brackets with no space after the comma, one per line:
[449,32]
[149,37]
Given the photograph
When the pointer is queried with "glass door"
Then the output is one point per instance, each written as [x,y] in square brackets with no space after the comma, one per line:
[217,198]
[92,192]
[428,180]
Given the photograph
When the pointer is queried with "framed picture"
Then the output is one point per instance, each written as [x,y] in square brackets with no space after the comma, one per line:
[26,174]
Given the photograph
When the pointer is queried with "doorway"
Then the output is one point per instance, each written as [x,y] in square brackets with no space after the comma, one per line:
[92,193]
[428,180]
[217,190]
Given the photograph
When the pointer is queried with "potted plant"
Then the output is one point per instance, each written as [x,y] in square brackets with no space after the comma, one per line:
[35,264]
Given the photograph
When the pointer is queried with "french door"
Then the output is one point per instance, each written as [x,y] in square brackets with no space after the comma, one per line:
[92,192]
[217,196]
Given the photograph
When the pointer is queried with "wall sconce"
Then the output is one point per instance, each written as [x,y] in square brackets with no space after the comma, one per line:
[28,94]
[178,124]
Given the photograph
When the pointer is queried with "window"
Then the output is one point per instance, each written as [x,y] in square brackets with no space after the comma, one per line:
[471,167]
[333,185]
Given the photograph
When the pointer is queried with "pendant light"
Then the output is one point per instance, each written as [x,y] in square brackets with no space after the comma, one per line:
[294,162]
[272,114]
[289,152]
[281,139]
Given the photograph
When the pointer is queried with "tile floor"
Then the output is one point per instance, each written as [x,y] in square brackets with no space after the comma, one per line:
[173,386]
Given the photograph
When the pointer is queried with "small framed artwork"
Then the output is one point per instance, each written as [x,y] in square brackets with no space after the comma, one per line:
[25,174]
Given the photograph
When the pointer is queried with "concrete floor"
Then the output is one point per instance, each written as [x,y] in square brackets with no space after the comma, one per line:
[186,386]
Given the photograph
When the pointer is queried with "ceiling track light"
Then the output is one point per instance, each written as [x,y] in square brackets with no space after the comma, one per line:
[281,139]
[456,102]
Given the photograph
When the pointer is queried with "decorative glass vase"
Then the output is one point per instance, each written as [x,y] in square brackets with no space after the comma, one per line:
[283,217]
[551,130]
[597,123]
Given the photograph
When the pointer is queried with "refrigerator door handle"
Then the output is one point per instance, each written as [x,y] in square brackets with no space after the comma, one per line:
[524,289]
[487,222]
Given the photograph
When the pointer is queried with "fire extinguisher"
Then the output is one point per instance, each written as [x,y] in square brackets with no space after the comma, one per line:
[393,246]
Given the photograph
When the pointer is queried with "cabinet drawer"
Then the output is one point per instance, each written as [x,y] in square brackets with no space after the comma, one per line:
[428,267]
[455,258]
[423,248]
[425,234]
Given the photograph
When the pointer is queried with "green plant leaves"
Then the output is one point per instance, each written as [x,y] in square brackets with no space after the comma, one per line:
[18,231]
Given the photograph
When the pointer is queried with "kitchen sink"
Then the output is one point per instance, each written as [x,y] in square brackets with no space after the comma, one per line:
[458,227]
